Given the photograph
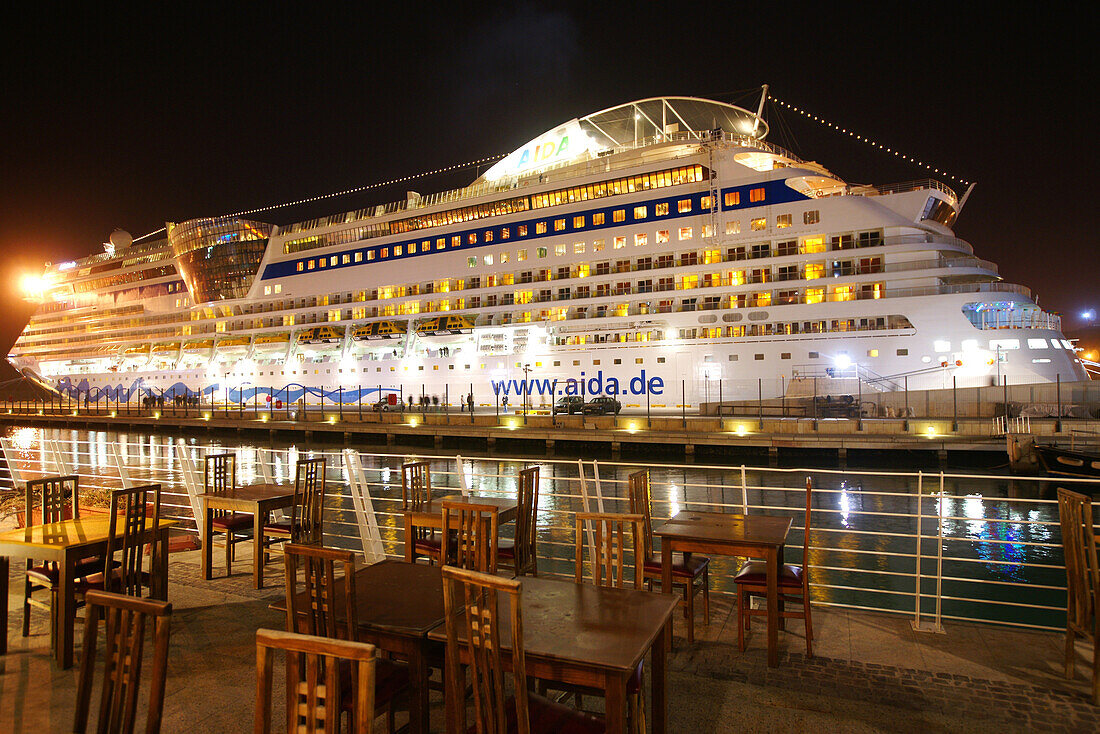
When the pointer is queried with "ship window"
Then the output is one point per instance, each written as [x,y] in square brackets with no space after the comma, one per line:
[783,221]
[359,257]
[559,249]
[344,260]
[559,225]
[812,216]
[521,255]
[903,352]
[758,357]
[733,198]
[597,245]
[660,360]
[598,218]
[578,222]
[1036,343]
[505,233]
[440,243]
[522,230]
[756,195]
[641,239]
[733,357]
[785,355]
[267,292]
[813,355]
[311,265]
[578,248]
[618,361]
[683,206]
[685,233]
[456,241]
[661,209]
[503,257]
[620,243]
[301,266]
[470,239]
[595,363]
[1067,344]
[872,352]
[733,227]
[619,215]
[487,236]
[541,251]
[488,259]
[639,213]
[757,225]
[540,228]
[638,360]
[471,262]
[576,363]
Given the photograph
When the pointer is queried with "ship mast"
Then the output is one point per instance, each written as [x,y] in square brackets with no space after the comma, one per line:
[760,109]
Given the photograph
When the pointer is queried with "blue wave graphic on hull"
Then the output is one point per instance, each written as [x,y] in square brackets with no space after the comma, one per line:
[290,394]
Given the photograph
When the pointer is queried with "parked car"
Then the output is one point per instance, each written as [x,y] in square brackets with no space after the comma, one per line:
[569,405]
[602,406]
[382,406]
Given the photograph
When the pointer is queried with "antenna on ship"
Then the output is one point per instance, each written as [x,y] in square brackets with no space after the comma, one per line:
[760,109]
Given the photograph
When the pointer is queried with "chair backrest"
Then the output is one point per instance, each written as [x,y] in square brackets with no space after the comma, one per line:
[806,535]
[1079,546]
[125,619]
[416,486]
[639,505]
[307,513]
[471,601]
[135,517]
[616,538]
[329,603]
[57,494]
[527,520]
[221,473]
[470,536]
[314,687]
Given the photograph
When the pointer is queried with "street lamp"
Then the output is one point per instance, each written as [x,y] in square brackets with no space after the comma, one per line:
[526,391]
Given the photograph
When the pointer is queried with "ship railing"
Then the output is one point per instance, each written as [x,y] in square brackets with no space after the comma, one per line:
[1004,425]
[932,546]
[902,187]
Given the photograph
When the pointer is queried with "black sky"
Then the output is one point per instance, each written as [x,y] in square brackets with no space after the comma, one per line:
[122,117]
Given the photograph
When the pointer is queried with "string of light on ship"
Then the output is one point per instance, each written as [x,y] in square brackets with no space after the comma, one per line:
[872,143]
[494,158]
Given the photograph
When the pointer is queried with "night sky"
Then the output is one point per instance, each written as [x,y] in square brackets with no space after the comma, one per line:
[123,118]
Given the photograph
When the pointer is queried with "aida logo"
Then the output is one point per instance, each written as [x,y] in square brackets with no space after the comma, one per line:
[543,152]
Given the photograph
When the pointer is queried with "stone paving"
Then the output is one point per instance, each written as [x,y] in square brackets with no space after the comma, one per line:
[871,672]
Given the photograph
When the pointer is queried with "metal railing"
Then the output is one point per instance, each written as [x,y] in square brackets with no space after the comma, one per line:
[931,546]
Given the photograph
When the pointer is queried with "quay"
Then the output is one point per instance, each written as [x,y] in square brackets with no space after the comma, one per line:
[773,440]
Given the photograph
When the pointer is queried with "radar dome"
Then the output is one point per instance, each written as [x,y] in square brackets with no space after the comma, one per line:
[121,239]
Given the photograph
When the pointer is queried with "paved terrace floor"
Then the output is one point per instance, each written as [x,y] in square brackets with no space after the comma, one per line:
[870,672]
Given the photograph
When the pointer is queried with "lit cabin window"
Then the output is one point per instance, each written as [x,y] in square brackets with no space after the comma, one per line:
[811,217]
[559,225]
[471,262]
[540,251]
[540,227]
[733,198]
[505,233]
[522,229]
[370,254]
[559,249]
[487,236]
[661,209]
[278,289]
[619,215]
[640,212]
[503,257]
[597,245]
[267,292]
[488,259]
[397,250]
[685,233]
[311,265]
[733,227]
[359,257]
[598,219]
[758,225]
[683,206]
[1036,343]
[756,195]
[641,239]
[783,221]
[301,266]
[456,241]
[620,243]
[578,248]
[578,222]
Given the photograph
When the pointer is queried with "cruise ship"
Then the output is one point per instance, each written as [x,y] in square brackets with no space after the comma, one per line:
[660,251]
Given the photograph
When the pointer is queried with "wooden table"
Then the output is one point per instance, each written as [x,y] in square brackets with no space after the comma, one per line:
[398,604]
[66,543]
[507,508]
[252,499]
[585,635]
[749,536]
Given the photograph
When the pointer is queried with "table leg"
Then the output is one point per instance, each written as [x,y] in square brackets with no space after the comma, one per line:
[208,540]
[3,605]
[410,557]
[658,677]
[615,704]
[666,566]
[418,696]
[257,548]
[454,694]
[66,612]
[160,567]
[773,608]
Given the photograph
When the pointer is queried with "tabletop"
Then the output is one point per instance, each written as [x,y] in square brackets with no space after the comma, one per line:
[508,507]
[394,596]
[599,626]
[253,492]
[65,534]
[723,527]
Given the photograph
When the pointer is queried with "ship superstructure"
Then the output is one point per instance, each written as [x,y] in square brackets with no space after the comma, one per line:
[661,251]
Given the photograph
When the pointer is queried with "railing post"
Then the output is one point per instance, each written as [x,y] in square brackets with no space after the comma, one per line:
[744,493]
[917,572]
[462,477]
[939,560]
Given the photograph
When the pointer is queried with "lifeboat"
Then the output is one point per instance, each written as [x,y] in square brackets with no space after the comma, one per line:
[272,342]
[234,346]
[321,335]
[445,326]
[136,352]
[380,330]
[166,348]
[203,345]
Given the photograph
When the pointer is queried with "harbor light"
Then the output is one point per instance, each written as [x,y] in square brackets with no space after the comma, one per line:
[631,427]
[206,416]
[511,423]
[33,286]
[413,422]
[114,414]
[155,415]
[931,432]
[741,430]
[842,361]
[332,419]
[263,418]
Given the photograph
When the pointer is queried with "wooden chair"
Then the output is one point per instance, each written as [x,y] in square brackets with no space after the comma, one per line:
[125,619]
[416,496]
[58,498]
[794,585]
[307,512]
[471,601]
[131,506]
[690,572]
[616,558]
[323,676]
[472,536]
[519,554]
[220,477]
[1082,580]
[330,611]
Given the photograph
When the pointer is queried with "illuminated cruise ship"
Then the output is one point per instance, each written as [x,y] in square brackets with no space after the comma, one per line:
[659,251]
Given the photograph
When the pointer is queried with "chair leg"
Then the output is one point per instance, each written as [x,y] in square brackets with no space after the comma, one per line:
[53,619]
[748,610]
[1096,671]
[1070,657]
[706,593]
[27,590]
[782,619]
[228,554]
[637,713]
[809,625]
[689,595]
[742,618]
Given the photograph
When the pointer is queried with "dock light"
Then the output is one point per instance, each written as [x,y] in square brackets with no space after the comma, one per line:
[511,422]
[114,414]
[263,418]
[631,427]
[33,286]
[741,430]
[413,422]
[332,419]
[41,412]
[75,413]
[155,415]
[931,432]
[843,361]
[206,416]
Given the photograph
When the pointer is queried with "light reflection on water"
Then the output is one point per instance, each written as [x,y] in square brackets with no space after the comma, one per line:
[863,540]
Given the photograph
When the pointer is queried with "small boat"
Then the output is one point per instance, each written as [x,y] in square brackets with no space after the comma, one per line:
[272,342]
[321,335]
[166,348]
[234,346]
[444,326]
[199,346]
[380,330]
[1067,463]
